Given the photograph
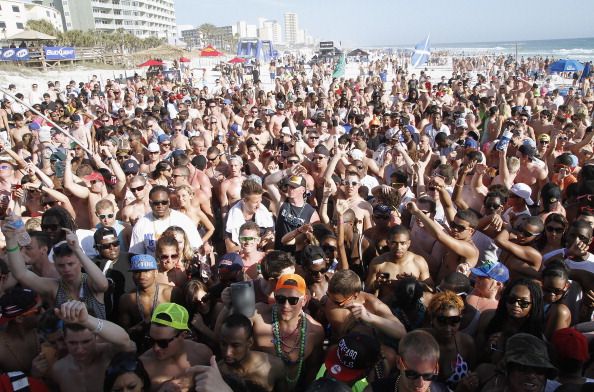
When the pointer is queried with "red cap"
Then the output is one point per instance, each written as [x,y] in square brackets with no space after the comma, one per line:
[95,176]
[569,343]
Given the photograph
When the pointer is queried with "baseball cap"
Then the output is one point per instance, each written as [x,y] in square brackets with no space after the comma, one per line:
[143,263]
[130,166]
[322,150]
[550,193]
[382,209]
[34,126]
[523,191]
[153,147]
[16,302]
[527,149]
[354,355]
[492,269]
[357,154]
[461,123]
[104,232]
[471,143]
[528,350]
[280,105]
[231,261]
[291,282]
[45,134]
[94,176]
[569,343]
[294,181]
[75,117]
[171,315]
[163,138]
[313,254]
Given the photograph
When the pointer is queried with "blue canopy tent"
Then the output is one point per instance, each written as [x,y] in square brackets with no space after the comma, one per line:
[566,66]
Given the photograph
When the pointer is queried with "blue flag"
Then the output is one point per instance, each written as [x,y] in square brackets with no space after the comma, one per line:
[421,55]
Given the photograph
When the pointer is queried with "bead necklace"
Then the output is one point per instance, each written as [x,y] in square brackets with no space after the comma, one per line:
[396,383]
[278,343]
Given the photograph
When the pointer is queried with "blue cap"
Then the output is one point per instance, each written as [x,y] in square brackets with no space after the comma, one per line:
[231,261]
[226,101]
[76,117]
[34,126]
[143,263]
[470,143]
[163,138]
[492,269]
[236,129]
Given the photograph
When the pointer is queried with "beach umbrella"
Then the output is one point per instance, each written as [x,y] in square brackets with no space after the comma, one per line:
[184,60]
[151,63]
[209,51]
[566,66]
[237,60]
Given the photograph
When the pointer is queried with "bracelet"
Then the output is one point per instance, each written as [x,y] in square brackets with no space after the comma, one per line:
[13,250]
[99,326]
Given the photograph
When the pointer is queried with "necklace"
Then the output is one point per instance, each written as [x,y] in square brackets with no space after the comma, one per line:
[278,343]
[396,383]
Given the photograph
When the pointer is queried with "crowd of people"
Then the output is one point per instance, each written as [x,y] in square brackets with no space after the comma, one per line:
[326,235]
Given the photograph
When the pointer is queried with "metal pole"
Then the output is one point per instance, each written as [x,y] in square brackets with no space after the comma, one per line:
[48,120]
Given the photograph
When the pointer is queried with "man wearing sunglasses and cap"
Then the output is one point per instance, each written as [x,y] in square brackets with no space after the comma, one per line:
[171,353]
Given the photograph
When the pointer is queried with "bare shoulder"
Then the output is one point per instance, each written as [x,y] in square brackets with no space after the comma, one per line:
[198,353]
[314,326]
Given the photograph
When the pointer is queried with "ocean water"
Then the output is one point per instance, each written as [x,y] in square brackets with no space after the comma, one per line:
[568,48]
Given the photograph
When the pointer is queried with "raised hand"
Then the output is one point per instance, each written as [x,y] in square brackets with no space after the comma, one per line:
[73,312]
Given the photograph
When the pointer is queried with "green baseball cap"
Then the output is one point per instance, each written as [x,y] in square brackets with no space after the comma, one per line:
[171,315]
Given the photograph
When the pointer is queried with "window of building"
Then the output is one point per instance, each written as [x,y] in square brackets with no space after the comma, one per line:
[15,8]
[2,25]
[20,26]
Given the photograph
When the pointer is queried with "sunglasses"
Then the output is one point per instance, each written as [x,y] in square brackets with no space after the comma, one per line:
[525,233]
[292,161]
[492,206]
[313,137]
[162,343]
[382,217]
[522,303]
[103,216]
[414,375]
[212,159]
[50,227]
[49,203]
[5,167]
[137,189]
[318,272]
[281,300]
[329,249]
[317,158]
[457,227]
[247,239]
[158,202]
[553,290]
[451,320]
[167,257]
[344,302]
[351,183]
[114,244]
[552,229]
[544,142]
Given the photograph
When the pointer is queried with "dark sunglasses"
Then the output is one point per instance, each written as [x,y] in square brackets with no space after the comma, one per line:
[292,161]
[212,159]
[553,291]
[158,202]
[50,227]
[451,320]
[552,229]
[50,203]
[103,216]
[319,272]
[457,227]
[137,189]
[522,303]
[162,343]
[414,375]
[492,206]
[525,233]
[167,257]
[281,300]
[114,244]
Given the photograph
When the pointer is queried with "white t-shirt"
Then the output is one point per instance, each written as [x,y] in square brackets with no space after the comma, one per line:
[147,231]
[586,265]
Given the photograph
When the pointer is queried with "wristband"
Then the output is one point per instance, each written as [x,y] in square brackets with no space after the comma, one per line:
[99,326]
[13,250]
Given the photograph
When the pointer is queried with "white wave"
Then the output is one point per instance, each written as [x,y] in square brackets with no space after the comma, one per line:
[574,51]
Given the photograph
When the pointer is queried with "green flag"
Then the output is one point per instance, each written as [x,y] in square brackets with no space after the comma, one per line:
[339,69]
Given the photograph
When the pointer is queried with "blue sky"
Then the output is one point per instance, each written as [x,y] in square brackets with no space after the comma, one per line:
[398,22]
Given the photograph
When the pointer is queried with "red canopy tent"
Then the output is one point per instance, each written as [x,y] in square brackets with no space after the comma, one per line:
[184,60]
[150,63]
[209,51]
[237,60]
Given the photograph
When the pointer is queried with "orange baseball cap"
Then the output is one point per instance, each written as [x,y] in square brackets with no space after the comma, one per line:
[292,282]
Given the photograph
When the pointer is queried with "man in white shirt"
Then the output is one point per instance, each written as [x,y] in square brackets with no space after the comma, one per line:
[435,127]
[575,253]
[149,228]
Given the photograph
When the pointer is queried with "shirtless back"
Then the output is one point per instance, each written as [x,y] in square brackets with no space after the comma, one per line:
[263,369]
[73,376]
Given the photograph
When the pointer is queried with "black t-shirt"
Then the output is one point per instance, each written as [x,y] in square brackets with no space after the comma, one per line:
[289,218]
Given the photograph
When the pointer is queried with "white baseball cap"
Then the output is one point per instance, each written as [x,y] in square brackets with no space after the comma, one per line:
[523,191]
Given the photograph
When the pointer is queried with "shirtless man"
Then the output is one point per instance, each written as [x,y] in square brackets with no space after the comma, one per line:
[276,122]
[180,175]
[259,135]
[19,130]
[91,344]
[230,191]
[283,319]
[179,141]
[171,354]
[461,254]
[154,158]
[345,305]
[377,235]
[140,206]
[147,296]
[82,131]
[425,245]
[519,252]
[532,172]
[236,341]
[386,269]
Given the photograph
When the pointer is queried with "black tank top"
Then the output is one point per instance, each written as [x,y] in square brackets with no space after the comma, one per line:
[289,218]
